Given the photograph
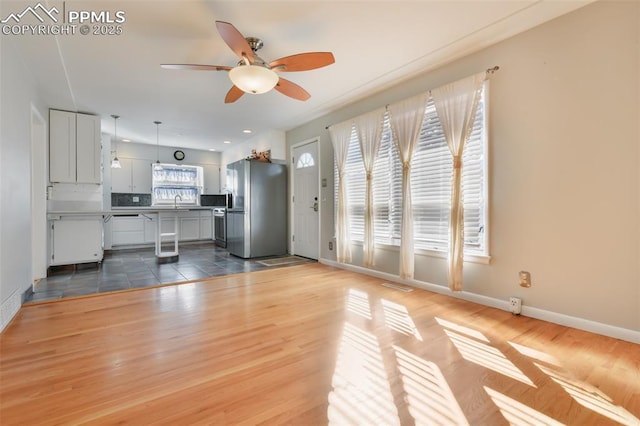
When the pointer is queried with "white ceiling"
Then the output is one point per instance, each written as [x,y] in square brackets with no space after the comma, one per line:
[376,44]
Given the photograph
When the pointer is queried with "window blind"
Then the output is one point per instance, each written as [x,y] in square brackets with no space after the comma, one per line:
[431,172]
[356,179]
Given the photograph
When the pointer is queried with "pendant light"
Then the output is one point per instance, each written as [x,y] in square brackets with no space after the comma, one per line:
[157,166]
[115,163]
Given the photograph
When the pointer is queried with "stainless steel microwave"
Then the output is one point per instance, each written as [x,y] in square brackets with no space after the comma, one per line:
[216,200]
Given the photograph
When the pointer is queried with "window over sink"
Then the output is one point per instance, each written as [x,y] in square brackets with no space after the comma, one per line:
[178,185]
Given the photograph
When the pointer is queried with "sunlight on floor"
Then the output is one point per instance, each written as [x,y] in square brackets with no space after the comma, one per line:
[429,397]
[361,392]
[358,303]
[517,413]
[582,392]
[535,354]
[589,396]
[462,329]
[397,318]
[486,356]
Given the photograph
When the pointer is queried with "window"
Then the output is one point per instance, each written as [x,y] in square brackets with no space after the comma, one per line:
[305,160]
[431,172]
[356,179]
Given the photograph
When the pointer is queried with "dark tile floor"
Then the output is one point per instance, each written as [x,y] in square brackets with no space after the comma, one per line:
[126,269]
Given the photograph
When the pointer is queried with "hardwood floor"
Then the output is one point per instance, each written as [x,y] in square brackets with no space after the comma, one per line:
[305,345]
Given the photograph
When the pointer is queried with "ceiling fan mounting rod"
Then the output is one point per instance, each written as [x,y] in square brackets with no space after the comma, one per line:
[254,43]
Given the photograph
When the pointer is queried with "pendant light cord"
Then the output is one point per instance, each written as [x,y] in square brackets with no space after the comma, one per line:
[115,162]
[158,123]
[115,133]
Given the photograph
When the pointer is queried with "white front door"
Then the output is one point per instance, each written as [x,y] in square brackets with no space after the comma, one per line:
[306,203]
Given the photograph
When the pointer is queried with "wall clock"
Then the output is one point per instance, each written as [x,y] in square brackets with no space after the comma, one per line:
[178,155]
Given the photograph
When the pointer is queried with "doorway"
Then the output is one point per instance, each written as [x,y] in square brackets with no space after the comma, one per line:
[306,203]
[38,196]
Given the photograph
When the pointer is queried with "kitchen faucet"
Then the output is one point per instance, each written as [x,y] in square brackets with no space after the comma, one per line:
[175,200]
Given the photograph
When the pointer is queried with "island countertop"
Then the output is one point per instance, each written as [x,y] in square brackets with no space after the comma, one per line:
[123,211]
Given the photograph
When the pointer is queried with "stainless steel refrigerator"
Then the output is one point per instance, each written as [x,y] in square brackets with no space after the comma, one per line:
[257,219]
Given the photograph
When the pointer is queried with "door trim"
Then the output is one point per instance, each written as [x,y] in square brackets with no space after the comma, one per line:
[38,196]
[292,191]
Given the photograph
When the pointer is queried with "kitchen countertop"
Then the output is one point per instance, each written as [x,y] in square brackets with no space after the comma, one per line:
[116,211]
[161,208]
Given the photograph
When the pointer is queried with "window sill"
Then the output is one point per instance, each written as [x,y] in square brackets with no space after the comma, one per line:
[471,258]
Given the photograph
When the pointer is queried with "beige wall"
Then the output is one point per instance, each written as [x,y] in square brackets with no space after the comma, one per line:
[564,166]
[273,140]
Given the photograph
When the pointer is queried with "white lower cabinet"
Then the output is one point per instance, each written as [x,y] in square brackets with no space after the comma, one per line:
[127,230]
[206,225]
[189,226]
[76,239]
[138,230]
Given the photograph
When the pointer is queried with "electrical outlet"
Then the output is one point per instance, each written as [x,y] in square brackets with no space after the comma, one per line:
[330,245]
[525,279]
[515,305]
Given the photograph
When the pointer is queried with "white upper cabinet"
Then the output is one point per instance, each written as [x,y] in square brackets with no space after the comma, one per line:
[211,179]
[88,148]
[62,146]
[121,178]
[74,147]
[141,176]
[134,176]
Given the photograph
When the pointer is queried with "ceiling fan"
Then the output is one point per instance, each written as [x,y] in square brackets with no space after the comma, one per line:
[252,74]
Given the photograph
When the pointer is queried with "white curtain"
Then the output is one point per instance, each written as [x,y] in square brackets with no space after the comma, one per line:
[369,128]
[406,121]
[340,136]
[456,104]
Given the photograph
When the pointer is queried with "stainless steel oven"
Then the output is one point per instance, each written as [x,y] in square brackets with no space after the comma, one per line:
[220,225]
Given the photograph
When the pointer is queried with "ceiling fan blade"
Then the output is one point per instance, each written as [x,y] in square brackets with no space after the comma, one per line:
[195,67]
[303,61]
[235,40]
[292,90]
[233,95]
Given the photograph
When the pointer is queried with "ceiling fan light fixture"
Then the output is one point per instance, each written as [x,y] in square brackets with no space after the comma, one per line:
[254,79]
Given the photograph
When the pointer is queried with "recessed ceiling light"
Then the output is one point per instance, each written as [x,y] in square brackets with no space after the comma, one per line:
[227,141]
[126,140]
[212,149]
[247,131]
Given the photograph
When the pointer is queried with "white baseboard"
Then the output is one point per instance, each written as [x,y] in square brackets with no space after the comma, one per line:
[9,309]
[528,311]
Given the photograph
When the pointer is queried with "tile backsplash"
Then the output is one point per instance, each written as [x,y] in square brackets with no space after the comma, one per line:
[130,200]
